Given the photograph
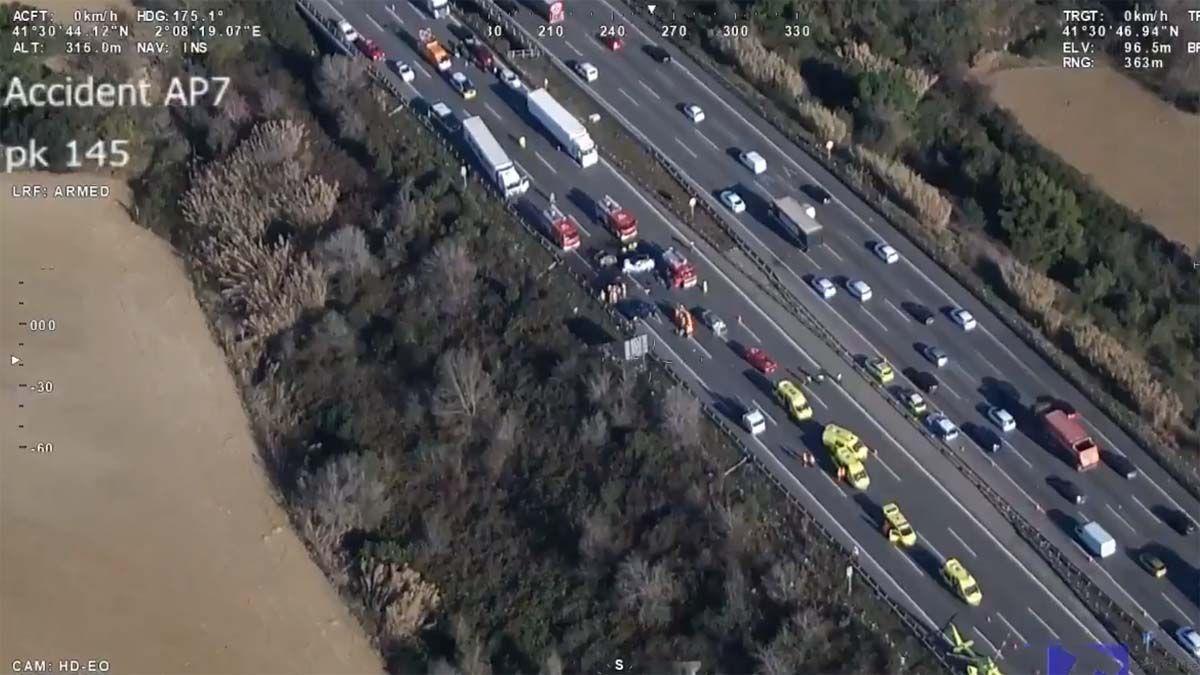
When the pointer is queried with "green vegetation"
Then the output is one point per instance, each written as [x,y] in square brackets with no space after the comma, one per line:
[897,74]
[485,489]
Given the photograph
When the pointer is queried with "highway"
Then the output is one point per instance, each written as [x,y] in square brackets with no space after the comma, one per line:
[988,366]
[1025,606]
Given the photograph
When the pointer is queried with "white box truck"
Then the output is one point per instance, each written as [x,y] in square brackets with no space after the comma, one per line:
[799,220]
[571,135]
[495,161]
[1096,540]
[438,9]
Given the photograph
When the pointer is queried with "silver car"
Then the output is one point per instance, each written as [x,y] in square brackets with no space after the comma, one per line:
[715,323]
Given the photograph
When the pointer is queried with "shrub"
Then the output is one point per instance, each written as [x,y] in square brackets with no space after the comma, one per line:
[918,197]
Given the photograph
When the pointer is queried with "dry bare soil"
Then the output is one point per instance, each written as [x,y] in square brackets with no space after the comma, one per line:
[1141,151]
[148,536]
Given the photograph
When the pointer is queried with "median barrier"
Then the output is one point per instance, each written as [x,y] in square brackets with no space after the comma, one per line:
[1068,368]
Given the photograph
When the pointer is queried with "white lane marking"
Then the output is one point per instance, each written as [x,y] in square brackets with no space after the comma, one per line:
[1187,619]
[929,544]
[876,320]
[686,148]
[960,541]
[1020,362]
[764,411]
[1012,628]
[1122,589]
[715,268]
[1164,493]
[1120,518]
[1035,615]
[626,95]
[706,140]
[492,110]
[334,9]
[373,21]
[752,333]
[910,562]
[1016,485]
[833,483]
[700,347]
[760,186]
[421,69]
[678,358]
[1021,457]
[1139,503]
[987,532]
[572,48]
[893,306]
[851,327]
[985,639]
[889,469]
[394,14]
[818,400]
[947,387]
[647,88]
[455,21]
[543,161]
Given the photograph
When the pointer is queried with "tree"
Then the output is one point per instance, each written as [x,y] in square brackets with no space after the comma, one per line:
[346,251]
[464,388]
[680,415]
[1095,283]
[1040,218]
[401,598]
[649,591]
[451,270]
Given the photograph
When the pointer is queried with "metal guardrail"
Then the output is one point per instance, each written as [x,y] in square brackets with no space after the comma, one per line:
[1113,616]
[1130,422]
[1042,545]
[928,635]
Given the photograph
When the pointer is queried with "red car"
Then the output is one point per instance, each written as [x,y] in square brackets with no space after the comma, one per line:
[613,42]
[759,359]
[483,57]
[369,48]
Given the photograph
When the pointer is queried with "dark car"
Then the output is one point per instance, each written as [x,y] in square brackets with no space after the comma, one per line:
[1180,522]
[482,56]
[818,194]
[985,437]
[1119,463]
[1067,489]
[926,381]
[920,313]
[635,309]
[658,53]
[508,6]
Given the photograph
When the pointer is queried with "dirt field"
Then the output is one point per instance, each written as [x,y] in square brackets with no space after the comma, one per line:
[1138,149]
[148,536]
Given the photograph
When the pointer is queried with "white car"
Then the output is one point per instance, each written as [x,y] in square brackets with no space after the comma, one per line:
[587,71]
[733,200]
[886,253]
[935,355]
[754,422]
[638,264]
[1001,418]
[1189,639]
[824,287]
[510,79]
[347,31]
[404,70]
[942,426]
[859,289]
[753,161]
[694,113]
[963,318]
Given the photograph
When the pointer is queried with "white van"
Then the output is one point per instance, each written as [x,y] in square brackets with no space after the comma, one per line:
[1096,540]
[754,422]
[347,31]
[753,161]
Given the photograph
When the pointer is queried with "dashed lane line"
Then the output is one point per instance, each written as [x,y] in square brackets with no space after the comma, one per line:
[1041,621]
[1012,628]
[1121,518]
[764,411]
[626,95]
[647,88]
[543,161]
[963,543]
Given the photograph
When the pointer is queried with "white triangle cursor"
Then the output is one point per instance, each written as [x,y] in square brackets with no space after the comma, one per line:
[13,360]
[651,8]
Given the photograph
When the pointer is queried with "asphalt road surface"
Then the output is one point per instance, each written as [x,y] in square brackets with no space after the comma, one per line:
[988,366]
[1025,606]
